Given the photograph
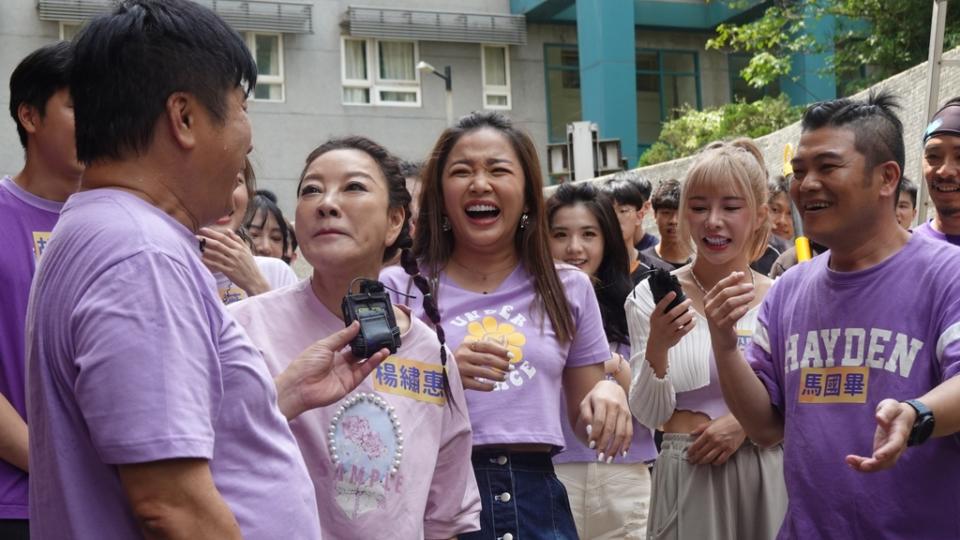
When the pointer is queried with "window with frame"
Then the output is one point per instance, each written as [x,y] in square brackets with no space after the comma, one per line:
[562,67]
[495,63]
[666,81]
[739,88]
[267,50]
[68,30]
[379,72]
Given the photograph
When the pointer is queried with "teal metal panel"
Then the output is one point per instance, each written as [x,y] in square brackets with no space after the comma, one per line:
[605,34]
[647,13]
[540,10]
[810,80]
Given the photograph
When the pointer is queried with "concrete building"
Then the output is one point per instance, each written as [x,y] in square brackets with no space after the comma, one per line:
[338,67]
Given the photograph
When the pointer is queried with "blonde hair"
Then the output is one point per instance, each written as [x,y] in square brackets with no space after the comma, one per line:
[737,165]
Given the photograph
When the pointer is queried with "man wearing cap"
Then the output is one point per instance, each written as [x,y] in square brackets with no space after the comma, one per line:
[941,169]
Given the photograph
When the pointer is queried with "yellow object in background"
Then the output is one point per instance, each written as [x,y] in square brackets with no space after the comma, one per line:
[803,248]
[787,156]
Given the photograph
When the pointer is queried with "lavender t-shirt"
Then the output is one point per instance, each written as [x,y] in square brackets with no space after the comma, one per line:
[642,449]
[131,358]
[927,230]
[525,408]
[433,493]
[25,224]
[829,347]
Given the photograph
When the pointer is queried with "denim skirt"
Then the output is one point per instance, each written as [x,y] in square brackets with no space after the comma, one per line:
[522,498]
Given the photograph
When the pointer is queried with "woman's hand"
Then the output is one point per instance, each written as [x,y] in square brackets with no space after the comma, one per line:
[323,373]
[667,329]
[724,305]
[480,362]
[717,440]
[228,254]
[605,416]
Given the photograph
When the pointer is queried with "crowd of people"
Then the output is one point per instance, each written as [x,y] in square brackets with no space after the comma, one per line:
[166,375]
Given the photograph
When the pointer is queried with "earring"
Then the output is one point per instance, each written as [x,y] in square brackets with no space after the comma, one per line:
[524,220]
[445,224]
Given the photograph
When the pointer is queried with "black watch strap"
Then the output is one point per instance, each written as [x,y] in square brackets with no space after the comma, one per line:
[923,425]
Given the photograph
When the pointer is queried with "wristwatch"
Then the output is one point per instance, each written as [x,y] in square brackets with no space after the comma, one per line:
[923,425]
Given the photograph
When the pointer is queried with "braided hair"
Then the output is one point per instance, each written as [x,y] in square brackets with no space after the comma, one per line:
[398,197]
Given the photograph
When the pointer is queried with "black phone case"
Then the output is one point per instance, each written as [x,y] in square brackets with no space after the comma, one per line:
[662,282]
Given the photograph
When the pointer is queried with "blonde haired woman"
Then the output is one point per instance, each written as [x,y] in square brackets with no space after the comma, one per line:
[709,482]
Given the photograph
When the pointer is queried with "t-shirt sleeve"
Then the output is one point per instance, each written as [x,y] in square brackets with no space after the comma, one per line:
[948,344]
[760,354]
[148,379]
[453,503]
[589,345]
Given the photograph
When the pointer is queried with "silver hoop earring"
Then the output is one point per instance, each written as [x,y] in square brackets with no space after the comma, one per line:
[524,220]
[445,224]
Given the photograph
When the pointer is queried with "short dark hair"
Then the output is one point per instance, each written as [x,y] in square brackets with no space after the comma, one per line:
[878,133]
[667,195]
[268,194]
[127,63]
[910,188]
[36,78]
[628,187]
[411,169]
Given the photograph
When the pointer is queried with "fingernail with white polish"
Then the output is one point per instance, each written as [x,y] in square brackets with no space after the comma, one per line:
[609,460]
[624,453]
[600,457]
[593,444]
[589,430]
[511,367]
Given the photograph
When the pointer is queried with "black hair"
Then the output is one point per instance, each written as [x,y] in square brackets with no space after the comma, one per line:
[612,282]
[627,187]
[667,195]
[878,133]
[268,194]
[910,188]
[261,206]
[397,197]
[36,78]
[127,63]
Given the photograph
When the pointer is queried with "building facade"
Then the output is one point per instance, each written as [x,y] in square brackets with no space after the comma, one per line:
[339,67]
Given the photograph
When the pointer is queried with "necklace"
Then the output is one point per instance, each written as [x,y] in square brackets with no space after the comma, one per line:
[703,291]
[496,275]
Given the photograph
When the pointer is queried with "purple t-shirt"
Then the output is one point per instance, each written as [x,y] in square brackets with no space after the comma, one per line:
[927,230]
[433,493]
[132,358]
[642,449]
[25,224]
[829,346]
[525,408]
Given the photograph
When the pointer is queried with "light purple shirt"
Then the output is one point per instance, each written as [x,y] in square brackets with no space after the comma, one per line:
[927,230]
[829,346]
[132,358]
[25,224]
[525,408]
[433,493]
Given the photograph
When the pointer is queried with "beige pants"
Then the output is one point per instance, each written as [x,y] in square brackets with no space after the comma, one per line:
[743,499]
[608,501]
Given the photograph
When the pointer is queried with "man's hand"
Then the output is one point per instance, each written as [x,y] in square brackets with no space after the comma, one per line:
[324,373]
[894,422]
[725,304]
[717,440]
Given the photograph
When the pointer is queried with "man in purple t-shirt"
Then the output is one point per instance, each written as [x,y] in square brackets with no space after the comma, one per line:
[29,207]
[941,170]
[151,412]
[875,317]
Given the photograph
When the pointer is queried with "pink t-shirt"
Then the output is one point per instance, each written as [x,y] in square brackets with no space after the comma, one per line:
[526,408]
[433,493]
[131,358]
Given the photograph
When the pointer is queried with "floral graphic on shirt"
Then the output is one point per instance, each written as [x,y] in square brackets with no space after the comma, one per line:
[502,333]
[357,430]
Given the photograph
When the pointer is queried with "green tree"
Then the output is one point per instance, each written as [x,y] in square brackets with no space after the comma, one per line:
[693,129]
[873,39]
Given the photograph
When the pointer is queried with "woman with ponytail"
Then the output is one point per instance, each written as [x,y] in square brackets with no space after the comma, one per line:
[527,334]
[390,460]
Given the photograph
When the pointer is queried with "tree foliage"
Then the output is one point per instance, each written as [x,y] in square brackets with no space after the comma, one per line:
[872,39]
[693,129]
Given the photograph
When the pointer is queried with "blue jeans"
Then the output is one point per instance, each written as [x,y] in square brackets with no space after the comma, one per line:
[522,498]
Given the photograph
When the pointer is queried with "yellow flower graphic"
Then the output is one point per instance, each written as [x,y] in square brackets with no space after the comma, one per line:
[488,329]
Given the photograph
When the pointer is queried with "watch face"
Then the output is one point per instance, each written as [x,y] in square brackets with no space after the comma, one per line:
[925,428]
